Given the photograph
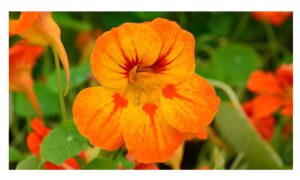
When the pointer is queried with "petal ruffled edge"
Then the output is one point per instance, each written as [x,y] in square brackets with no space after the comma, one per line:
[147,135]
[264,83]
[96,113]
[191,105]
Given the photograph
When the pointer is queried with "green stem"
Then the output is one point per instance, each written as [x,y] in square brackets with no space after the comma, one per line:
[116,153]
[41,163]
[241,26]
[59,85]
[237,161]
[231,94]
[270,33]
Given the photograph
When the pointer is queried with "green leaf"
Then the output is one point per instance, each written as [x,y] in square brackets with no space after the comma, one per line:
[221,24]
[233,64]
[15,155]
[62,143]
[123,160]
[244,139]
[101,163]
[147,16]
[78,76]
[218,158]
[65,20]
[48,102]
[114,19]
[31,162]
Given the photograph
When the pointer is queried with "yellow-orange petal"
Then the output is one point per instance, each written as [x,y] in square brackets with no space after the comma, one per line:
[24,22]
[191,105]
[265,105]
[202,134]
[147,135]
[264,83]
[53,33]
[117,51]
[96,113]
[177,57]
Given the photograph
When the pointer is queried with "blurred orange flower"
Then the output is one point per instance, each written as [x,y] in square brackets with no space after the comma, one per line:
[150,96]
[264,125]
[275,18]
[39,28]
[22,58]
[85,42]
[85,38]
[274,91]
[34,141]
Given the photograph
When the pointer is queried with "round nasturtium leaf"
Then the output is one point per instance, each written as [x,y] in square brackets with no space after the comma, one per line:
[62,143]
[31,162]
[235,62]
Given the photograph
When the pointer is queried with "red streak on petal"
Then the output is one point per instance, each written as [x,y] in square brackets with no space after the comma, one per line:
[170,92]
[150,109]
[120,101]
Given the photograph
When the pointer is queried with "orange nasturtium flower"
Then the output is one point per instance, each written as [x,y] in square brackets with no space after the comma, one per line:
[150,96]
[22,58]
[275,18]
[264,125]
[39,28]
[274,91]
[34,141]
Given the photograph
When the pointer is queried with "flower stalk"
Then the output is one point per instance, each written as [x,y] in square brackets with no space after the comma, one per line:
[60,89]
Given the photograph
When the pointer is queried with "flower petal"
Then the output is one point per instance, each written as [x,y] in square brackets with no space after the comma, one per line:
[24,22]
[287,109]
[142,166]
[265,126]
[284,75]
[39,128]
[96,113]
[202,134]
[177,57]
[33,143]
[264,83]
[266,105]
[191,105]
[53,33]
[147,135]
[116,52]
